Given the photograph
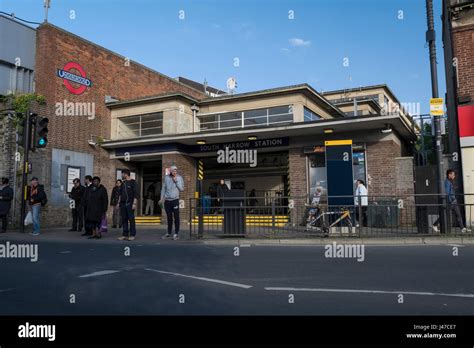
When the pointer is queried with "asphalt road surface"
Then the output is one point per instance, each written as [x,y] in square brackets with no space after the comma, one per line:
[185,278]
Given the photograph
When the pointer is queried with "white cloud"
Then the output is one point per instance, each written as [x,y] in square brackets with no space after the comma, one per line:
[299,42]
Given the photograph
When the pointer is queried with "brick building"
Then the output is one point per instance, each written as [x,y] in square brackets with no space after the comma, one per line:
[107,113]
[458,36]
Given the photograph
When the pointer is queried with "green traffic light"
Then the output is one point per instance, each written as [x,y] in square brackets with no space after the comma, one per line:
[41,142]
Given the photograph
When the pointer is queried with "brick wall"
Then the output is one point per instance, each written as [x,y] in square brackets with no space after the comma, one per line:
[381,168]
[463,43]
[187,169]
[111,75]
[297,181]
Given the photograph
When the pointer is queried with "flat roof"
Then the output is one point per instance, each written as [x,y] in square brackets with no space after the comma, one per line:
[301,88]
[346,124]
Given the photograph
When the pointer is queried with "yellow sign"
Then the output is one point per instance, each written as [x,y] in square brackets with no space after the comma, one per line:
[337,142]
[436,107]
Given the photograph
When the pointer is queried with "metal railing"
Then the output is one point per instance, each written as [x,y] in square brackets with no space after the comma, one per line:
[296,217]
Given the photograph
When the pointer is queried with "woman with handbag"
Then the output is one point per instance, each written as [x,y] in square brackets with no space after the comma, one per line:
[97,202]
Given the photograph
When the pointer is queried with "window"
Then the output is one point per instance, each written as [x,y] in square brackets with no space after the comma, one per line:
[317,170]
[140,125]
[310,115]
[248,118]
[257,117]
[280,114]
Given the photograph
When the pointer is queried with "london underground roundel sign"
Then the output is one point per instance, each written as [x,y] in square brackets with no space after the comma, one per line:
[73,72]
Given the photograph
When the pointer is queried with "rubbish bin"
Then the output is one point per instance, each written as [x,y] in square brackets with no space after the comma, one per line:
[383,213]
[233,204]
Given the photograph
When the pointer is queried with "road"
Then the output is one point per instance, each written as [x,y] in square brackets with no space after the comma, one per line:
[262,280]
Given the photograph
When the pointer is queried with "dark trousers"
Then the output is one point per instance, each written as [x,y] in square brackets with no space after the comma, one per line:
[77,218]
[128,217]
[87,227]
[364,215]
[172,211]
[4,222]
[453,207]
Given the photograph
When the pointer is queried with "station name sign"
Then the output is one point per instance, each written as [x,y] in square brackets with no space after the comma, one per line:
[241,145]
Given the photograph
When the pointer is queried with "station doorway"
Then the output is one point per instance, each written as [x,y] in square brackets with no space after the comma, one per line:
[150,188]
[265,183]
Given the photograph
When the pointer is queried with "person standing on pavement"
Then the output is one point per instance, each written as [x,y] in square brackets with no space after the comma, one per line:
[6,197]
[77,210]
[172,186]
[115,204]
[88,183]
[361,202]
[128,205]
[452,201]
[221,190]
[97,203]
[36,199]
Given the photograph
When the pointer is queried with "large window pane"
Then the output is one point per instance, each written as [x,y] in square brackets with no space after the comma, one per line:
[255,117]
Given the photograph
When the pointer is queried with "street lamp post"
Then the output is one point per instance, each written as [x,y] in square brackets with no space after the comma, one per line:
[430,38]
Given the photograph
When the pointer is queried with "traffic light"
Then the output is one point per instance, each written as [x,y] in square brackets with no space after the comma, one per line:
[41,132]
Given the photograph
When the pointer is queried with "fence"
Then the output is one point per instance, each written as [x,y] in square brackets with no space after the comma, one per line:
[296,217]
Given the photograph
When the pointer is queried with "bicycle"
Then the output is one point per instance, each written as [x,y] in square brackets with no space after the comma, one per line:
[319,223]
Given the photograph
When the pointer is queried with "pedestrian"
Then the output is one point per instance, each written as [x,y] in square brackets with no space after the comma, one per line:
[77,209]
[6,197]
[115,204]
[221,190]
[252,201]
[361,201]
[128,205]
[36,199]
[149,209]
[87,187]
[452,202]
[97,203]
[173,184]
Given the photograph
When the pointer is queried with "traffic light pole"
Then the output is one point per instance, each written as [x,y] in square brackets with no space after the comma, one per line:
[431,37]
[26,150]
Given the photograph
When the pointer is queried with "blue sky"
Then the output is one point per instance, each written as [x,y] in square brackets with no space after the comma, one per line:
[383,41]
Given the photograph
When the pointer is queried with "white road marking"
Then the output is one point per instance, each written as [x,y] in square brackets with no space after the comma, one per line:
[3,290]
[65,252]
[201,278]
[456,245]
[96,274]
[370,291]
[245,245]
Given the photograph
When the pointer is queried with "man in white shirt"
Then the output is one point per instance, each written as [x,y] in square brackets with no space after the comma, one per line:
[361,196]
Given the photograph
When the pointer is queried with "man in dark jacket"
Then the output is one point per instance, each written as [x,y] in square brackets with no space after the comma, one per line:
[452,202]
[222,188]
[97,203]
[36,198]
[77,209]
[6,197]
[88,184]
[115,203]
[128,205]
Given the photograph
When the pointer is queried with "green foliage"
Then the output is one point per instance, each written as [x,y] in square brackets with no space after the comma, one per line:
[20,103]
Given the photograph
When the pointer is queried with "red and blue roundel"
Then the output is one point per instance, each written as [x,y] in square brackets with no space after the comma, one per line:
[73,72]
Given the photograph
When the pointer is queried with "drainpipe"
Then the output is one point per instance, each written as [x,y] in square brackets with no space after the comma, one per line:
[195,109]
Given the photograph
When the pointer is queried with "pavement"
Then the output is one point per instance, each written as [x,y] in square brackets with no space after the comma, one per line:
[153,234]
[150,276]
